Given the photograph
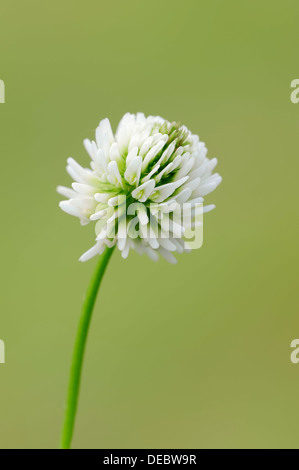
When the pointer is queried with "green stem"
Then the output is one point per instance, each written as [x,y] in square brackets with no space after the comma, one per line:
[77,360]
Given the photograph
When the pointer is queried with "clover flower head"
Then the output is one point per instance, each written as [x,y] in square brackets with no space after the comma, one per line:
[138,179]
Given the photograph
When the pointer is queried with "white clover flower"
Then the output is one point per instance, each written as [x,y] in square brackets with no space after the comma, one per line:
[139,179]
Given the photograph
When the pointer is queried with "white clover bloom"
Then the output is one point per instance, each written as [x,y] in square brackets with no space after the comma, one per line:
[139,178]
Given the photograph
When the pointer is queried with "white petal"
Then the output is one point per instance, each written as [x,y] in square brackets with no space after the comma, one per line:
[152,153]
[142,214]
[186,167]
[75,176]
[104,136]
[113,174]
[85,189]
[131,155]
[153,255]
[98,215]
[143,191]
[196,200]
[167,255]
[134,142]
[78,168]
[146,146]
[183,196]
[169,168]
[148,177]
[207,188]
[132,173]
[102,197]
[207,166]
[208,208]
[124,131]
[153,242]
[117,200]
[89,148]
[192,185]
[114,152]
[167,244]
[125,251]
[122,235]
[95,250]
[167,153]
[179,243]
[166,190]
[66,192]
[85,203]
[67,207]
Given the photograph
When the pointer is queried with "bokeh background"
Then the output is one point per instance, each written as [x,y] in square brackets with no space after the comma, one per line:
[195,355]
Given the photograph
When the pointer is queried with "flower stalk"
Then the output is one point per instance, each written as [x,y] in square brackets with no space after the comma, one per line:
[79,348]
[144,190]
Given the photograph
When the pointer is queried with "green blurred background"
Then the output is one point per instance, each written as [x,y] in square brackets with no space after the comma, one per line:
[195,355]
